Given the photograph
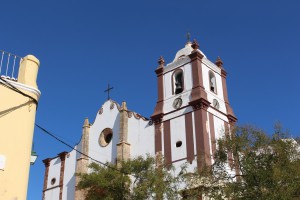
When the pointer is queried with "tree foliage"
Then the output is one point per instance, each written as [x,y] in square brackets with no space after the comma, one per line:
[138,178]
[249,164]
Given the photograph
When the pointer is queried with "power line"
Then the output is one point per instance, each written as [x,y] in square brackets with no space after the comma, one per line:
[68,145]
[12,87]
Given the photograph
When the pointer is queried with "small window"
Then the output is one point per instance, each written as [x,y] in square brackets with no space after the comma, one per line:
[53,181]
[105,137]
[178,81]
[212,82]
[178,144]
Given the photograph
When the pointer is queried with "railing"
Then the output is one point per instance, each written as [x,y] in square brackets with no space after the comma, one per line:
[9,65]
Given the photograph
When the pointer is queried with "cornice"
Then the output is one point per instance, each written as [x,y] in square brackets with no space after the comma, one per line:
[114,104]
[24,87]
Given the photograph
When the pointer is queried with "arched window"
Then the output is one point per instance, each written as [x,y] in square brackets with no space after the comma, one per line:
[177,80]
[212,82]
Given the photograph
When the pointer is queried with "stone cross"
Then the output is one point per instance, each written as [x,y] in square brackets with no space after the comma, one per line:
[108,91]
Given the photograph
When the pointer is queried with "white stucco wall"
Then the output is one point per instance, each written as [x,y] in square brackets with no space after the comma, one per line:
[52,194]
[110,118]
[206,67]
[69,175]
[219,127]
[54,172]
[140,137]
[167,79]
[177,129]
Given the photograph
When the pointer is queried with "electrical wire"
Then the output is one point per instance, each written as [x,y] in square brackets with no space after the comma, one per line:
[8,85]
[71,147]
[12,87]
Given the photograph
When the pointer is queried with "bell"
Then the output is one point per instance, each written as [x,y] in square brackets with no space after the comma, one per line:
[178,88]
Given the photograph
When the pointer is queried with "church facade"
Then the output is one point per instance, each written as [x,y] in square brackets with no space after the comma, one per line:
[191,112]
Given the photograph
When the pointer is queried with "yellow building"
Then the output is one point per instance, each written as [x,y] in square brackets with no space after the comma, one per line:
[18,104]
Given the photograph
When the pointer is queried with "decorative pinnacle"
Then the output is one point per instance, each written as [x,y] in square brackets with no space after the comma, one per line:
[161,61]
[124,106]
[195,45]
[219,62]
[86,122]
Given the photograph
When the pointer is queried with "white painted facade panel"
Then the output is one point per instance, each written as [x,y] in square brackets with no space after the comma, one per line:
[167,79]
[52,194]
[217,114]
[208,123]
[194,133]
[69,178]
[168,103]
[177,131]
[211,95]
[188,77]
[140,137]
[219,127]
[169,84]
[54,172]
[187,166]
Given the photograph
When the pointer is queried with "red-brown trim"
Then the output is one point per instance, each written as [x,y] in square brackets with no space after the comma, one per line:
[212,133]
[183,107]
[202,140]
[189,137]
[167,142]
[230,115]
[158,111]
[47,164]
[157,138]
[198,91]
[62,157]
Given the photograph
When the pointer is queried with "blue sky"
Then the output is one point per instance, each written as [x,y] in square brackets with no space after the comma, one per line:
[83,46]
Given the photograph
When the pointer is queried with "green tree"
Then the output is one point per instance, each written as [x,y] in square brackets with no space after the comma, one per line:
[136,179]
[249,164]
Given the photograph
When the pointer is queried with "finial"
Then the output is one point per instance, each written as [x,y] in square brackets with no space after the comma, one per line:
[86,122]
[188,37]
[219,62]
[124,105]
[161,61]
[195,45]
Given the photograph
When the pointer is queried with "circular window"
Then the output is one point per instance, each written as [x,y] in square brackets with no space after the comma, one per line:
[178,144]
[53,181]
[105,137]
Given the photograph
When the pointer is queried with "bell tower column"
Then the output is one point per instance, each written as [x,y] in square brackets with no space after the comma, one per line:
[123,147]
[158,111]
[83,161]
[230,115]
[200,104]
[199,96]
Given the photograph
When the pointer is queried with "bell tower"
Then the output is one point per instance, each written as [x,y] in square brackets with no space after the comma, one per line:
[192,109]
